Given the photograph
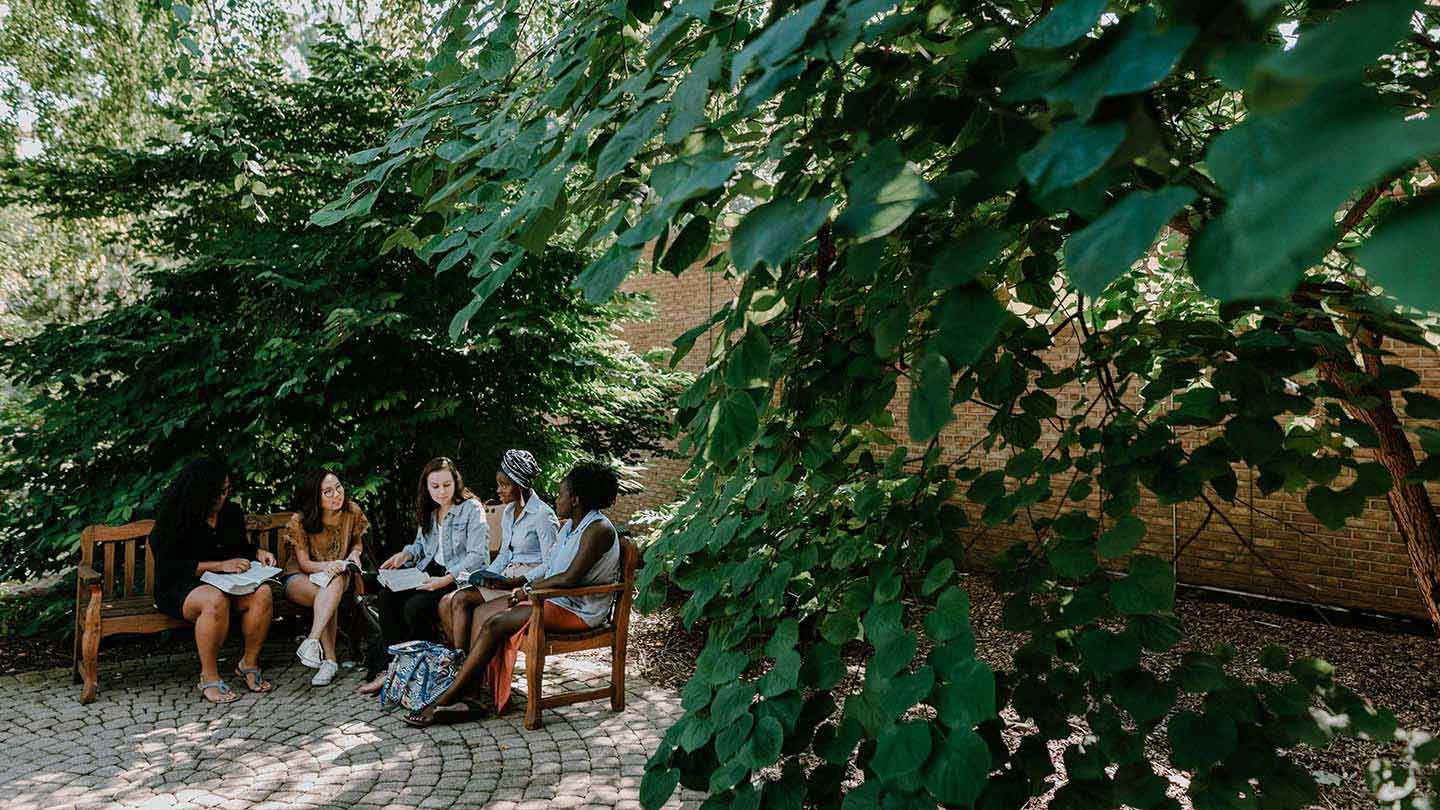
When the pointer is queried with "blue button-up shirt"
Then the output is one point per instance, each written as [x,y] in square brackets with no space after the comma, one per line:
[528,537]
[465,535]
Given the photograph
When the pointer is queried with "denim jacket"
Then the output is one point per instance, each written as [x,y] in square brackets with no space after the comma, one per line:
[466,537]
[528,537]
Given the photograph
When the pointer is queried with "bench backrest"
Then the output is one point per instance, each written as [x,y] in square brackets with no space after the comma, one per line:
[629,561]
[121,554]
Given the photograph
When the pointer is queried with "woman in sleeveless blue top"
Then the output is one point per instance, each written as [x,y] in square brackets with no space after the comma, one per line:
[587,552]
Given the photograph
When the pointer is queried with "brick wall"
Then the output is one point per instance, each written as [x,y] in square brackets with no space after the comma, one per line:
[1284,553]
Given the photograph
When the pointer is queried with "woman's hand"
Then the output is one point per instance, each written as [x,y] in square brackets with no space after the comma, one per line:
[264,557]
[396,560]
[436,583]
[517,596]
[239,565]
[337,567]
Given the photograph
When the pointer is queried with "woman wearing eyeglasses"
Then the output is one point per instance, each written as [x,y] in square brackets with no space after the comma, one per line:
[327,538]
[199,530]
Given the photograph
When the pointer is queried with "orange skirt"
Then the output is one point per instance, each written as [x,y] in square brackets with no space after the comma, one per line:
[502,666]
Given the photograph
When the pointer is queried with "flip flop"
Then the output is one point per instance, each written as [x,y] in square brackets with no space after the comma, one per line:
[417,719]
[246,672]
[227,695]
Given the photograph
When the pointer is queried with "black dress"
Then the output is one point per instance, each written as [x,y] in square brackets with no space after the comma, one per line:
[176,556]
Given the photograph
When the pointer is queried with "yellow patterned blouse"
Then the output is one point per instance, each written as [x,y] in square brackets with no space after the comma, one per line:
[334,542]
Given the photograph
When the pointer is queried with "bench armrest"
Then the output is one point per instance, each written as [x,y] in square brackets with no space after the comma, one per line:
[87,575]
[588,590]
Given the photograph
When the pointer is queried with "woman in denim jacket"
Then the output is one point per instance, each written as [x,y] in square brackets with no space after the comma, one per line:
[451,537]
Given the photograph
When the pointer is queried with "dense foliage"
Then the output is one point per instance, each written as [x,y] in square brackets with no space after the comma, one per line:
[921,199]
[279,346]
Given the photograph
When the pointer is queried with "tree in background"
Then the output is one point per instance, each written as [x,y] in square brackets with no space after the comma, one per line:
[918,198]
[279,346]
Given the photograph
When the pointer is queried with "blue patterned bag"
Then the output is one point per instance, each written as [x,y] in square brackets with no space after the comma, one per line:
[419,672]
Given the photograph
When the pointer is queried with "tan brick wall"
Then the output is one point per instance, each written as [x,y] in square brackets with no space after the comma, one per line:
[1364,566]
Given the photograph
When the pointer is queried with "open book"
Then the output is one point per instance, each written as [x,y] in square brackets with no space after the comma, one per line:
[402,579]
[480,579]
[242,583]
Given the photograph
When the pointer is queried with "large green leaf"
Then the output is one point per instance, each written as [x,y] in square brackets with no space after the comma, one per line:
[1149,587]
[1070,153]
[602,276]
[968,697]
[1067,22]
[749,363]
[1342,46]
[1135,58]
[733,423]
[621,148]
[1200,741]
[969,319]
[687,108]
[882,191]
[930,408]
[778,41]
[1107,247]
[771,233]
[960,261]
[1390,258]
[902,749]
[957,774]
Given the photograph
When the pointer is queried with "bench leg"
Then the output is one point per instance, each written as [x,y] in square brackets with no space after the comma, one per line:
[534,669]
[90,649]
[617,674]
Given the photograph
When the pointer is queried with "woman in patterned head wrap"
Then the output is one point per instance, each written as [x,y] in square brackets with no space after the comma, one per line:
[527,533]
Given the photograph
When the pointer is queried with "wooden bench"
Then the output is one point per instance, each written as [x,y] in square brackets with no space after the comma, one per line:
[115,587]
[613,634]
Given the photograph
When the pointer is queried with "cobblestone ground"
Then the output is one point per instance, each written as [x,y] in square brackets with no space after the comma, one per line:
[150,741]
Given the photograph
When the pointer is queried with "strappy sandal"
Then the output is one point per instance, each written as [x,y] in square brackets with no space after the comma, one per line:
[418,719]
[227,695]
[259,685]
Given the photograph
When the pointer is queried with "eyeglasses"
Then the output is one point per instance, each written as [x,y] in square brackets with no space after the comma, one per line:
[331,492]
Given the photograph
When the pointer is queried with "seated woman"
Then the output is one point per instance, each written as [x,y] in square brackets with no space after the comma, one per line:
[327,533]
[451,536]
[197,530]
[587,552]
[527,531]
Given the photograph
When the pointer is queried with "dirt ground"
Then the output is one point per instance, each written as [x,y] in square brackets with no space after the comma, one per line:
[1394,663]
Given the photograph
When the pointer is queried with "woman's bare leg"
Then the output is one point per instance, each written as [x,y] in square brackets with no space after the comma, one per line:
[487,639]
[209,608]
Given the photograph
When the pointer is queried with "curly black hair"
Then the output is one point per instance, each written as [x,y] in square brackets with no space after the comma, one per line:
[595,485]
[191,497]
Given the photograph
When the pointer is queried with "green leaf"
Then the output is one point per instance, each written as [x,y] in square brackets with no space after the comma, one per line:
[961,260]
[602,277]
[733,424]
[181,12]
[1070,153]
[764,746]
[882,191]
[1107,653]
[1148,588]
[627,142]
[1389,257]
[957,775]
[1122,538]
[771,233]
[688,247]
[1135,58]
[1073,560]
[938,577]
[688,106]
[1344,45]
[1067,22]
[969,319]
[901,750]
[1200,741]
[657,786]
[968,697]
[783,676]
[748,365]
[1284,186]
[777,42]
[1110,245]
[930,408]
[950,618]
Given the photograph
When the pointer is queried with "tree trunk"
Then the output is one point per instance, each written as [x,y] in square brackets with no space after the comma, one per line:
[1410,505]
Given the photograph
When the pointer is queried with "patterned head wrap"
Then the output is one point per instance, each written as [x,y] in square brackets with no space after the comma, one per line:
[519,466]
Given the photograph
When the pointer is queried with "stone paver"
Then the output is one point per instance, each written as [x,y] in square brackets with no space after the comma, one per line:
[150,741]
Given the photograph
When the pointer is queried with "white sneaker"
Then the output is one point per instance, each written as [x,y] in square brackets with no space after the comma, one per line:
[310,653]
[326,674]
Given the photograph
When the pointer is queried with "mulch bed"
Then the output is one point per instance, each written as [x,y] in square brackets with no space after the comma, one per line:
[1391,662]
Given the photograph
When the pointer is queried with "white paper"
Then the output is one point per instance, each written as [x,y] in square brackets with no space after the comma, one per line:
[242,583]
[402,579]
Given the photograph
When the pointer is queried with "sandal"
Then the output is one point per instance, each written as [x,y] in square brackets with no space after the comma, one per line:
[227,695]
[420,718]
[259,685]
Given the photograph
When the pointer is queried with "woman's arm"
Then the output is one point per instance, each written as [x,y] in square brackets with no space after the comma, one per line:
[477,536]
[358,530]
[549,531]
[593,545]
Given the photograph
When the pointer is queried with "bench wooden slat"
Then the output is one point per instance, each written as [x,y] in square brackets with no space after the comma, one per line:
[108,572]
[131,562]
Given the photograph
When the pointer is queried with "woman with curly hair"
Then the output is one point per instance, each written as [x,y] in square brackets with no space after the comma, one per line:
[327,537]
[199,530]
